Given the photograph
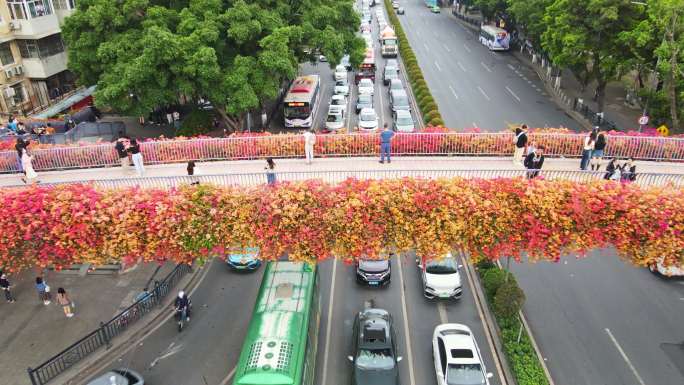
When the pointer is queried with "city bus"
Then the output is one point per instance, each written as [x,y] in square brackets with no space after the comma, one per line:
[282,337]
[301,101]
[367,67]
[494,38]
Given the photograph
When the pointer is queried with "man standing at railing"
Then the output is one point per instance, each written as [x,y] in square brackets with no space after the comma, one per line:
[309,142]
[386,144]
[121,147]
[520,141]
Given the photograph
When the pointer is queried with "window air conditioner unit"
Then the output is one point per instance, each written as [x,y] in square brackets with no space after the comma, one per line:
[14,25]
[18,70]
[9,73]
[9,92]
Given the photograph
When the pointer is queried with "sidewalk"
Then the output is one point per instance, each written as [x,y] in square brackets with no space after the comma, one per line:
[33,332]
[326,164]
[616,110]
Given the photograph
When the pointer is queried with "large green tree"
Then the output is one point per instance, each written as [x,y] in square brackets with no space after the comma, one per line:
[529,17]
[146,53]
[586,34]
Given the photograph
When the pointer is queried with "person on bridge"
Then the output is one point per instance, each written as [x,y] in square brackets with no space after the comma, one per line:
[520,141]
[182,304]
[136,156]
[597,153]
[309,142]
[270,171]
[587,148]
[386,144]
[534,162]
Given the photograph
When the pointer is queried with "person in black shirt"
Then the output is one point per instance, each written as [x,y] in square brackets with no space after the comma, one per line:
[534,161]
[121,150]
[520,141]
[136,156]
[597,152]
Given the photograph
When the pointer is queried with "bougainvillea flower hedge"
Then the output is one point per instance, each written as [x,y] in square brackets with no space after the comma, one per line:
[312,221]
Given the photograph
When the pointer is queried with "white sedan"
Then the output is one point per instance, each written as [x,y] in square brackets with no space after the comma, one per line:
[366,86]
[457,356]
[342,87]
[339,101]
[368,119]
[340,72]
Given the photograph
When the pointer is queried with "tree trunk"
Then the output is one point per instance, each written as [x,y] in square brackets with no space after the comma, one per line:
[232,124]
[600,94]
[672,87]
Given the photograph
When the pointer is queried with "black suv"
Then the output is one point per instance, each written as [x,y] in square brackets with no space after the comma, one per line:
[374,358]
[373,272]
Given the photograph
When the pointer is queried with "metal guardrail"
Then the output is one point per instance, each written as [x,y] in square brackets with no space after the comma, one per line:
[256,179]
[343,145]
[103,335]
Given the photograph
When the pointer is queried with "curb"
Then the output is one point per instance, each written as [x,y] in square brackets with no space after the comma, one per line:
[536,349]
[89,367]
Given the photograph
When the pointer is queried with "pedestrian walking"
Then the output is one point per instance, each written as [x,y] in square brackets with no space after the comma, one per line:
[176,119]
[121,147]
[66,302]
[6,287]
[309,142]
[534,162]
[587,148]
[20,145]
[520,141]
[27,165]
[386,144]
[192,171]
[43,291]
[597,152]
[270,171]
[136,156]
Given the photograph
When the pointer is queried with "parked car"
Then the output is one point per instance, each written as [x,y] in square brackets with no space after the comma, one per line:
[335,119]
[339,101]
[119,377]
[366,86]
[368,119]
[364,101]
[375,353]
[373,272]
[457,357]
[342,87]
[395,84]
[388,74]
[244,258]
[340,72]
[441,277]
[399,101]
[400,11]
[403,121]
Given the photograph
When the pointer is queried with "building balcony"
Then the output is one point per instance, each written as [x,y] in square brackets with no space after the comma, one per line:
[41,68]
[36,27]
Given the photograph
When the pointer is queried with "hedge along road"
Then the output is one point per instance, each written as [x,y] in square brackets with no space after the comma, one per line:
[207,350]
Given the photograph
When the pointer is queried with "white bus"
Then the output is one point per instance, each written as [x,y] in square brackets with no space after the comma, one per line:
[301,101]
[494,38]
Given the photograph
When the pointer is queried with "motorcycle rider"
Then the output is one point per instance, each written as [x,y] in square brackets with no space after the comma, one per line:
[183,304]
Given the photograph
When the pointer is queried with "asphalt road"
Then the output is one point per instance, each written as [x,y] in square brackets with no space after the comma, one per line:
[207,350]
[472,86]
[599,320]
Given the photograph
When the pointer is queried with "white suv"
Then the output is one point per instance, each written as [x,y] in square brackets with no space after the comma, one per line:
[457,356]
[441,278]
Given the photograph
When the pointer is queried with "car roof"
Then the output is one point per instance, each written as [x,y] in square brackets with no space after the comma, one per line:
[403,114]
[365,96]
[400,92]
[366,80]
[335,110]
[367,110]
[338,96]
[105,379]
[374,328]
[460,344]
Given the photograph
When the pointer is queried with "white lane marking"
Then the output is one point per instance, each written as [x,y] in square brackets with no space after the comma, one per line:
[446,48]
[624,357]
[381,115]
[511,67]
[418,33]
[407,336]
[426,47]
[230,375]
[441,309]
[171,350]
[453,92]
[438,67]
[485,67]
[513,93]
[329,324]
[474,124]
[483,93]
[466,47]
[461,65]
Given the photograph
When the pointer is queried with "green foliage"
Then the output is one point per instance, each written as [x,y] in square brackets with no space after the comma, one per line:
[484,264]
[436,122]
[492,279]
[529,15]
[432,114]
[490,8]
[508,299]
[197,122]
[143,53]
[428,106]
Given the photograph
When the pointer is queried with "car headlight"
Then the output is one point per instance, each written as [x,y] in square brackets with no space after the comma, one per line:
[429,289]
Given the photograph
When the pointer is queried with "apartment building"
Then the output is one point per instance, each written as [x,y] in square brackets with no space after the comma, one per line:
[32,55]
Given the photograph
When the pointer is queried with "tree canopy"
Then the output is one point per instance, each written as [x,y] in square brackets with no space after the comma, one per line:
[236,53]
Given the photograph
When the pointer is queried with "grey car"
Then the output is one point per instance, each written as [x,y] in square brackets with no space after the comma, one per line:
[399,101]
[374,358]
[119,377]
[364,101]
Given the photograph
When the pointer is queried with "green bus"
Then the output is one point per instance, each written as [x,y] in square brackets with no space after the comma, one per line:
[281,342]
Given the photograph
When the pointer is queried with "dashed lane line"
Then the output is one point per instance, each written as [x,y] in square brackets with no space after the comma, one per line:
[483,93]
[513,93]
[446,48]
[453,92]
[461,66]
[438,67]
[466,47]
[624,357]
[485,67]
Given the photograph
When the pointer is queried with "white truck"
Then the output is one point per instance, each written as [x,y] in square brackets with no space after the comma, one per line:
[389,44]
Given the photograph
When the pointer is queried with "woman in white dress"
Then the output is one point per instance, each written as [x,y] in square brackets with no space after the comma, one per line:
[28,168]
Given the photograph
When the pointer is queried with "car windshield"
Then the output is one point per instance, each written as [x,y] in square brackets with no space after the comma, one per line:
[465,374]
[341,83]
[367,116]
[374,359]
[365,83]
[391,72]
[337,102]
[404,121]
[364,99]
[334,118]
[443,266]
[400,100]
[297,112]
